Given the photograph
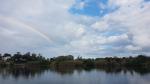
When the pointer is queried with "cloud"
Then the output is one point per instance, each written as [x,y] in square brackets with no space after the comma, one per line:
[12,22]
[132,19]
[100,26]
[133,48]
[48,27]
[44,25]
[80,5]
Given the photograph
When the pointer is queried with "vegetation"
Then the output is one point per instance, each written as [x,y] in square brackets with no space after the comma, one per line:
[25,59]
[138,61]
[69,61]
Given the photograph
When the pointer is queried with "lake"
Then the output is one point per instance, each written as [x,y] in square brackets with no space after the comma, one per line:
[38,75]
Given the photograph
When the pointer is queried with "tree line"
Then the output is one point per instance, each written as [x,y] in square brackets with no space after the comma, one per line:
[22,59]
[69,61]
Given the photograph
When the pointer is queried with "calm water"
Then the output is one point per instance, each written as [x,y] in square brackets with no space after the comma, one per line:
[73,76]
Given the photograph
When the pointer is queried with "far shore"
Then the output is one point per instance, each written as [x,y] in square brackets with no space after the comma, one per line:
[29,59]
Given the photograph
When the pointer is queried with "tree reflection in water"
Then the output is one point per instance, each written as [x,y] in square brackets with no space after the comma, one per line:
[125,70]
[25,72]
[32,72]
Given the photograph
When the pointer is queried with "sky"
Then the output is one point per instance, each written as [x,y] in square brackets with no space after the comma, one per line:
[88,28]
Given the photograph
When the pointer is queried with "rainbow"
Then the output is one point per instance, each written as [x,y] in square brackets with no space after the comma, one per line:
[14,21]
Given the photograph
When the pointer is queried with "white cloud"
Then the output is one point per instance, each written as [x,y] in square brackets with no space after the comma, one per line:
[102,6]
[80,5]
[44,25]
[120,38]
[100,26]
[122,3]
[131,16]
[93,43]
[125,28]
[133,48]
[111,39]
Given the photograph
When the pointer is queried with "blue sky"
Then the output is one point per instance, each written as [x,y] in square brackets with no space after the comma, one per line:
[89,28]
[91,8]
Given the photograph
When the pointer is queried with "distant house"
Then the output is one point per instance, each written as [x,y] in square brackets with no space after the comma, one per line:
[6,57]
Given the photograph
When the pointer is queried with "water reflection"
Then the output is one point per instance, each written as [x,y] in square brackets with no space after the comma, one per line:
[117,70]
[25,72]
[69,70]
[32,72]
[111,70]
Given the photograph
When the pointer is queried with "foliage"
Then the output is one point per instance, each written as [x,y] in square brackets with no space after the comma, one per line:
[28,59]
[69,61]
